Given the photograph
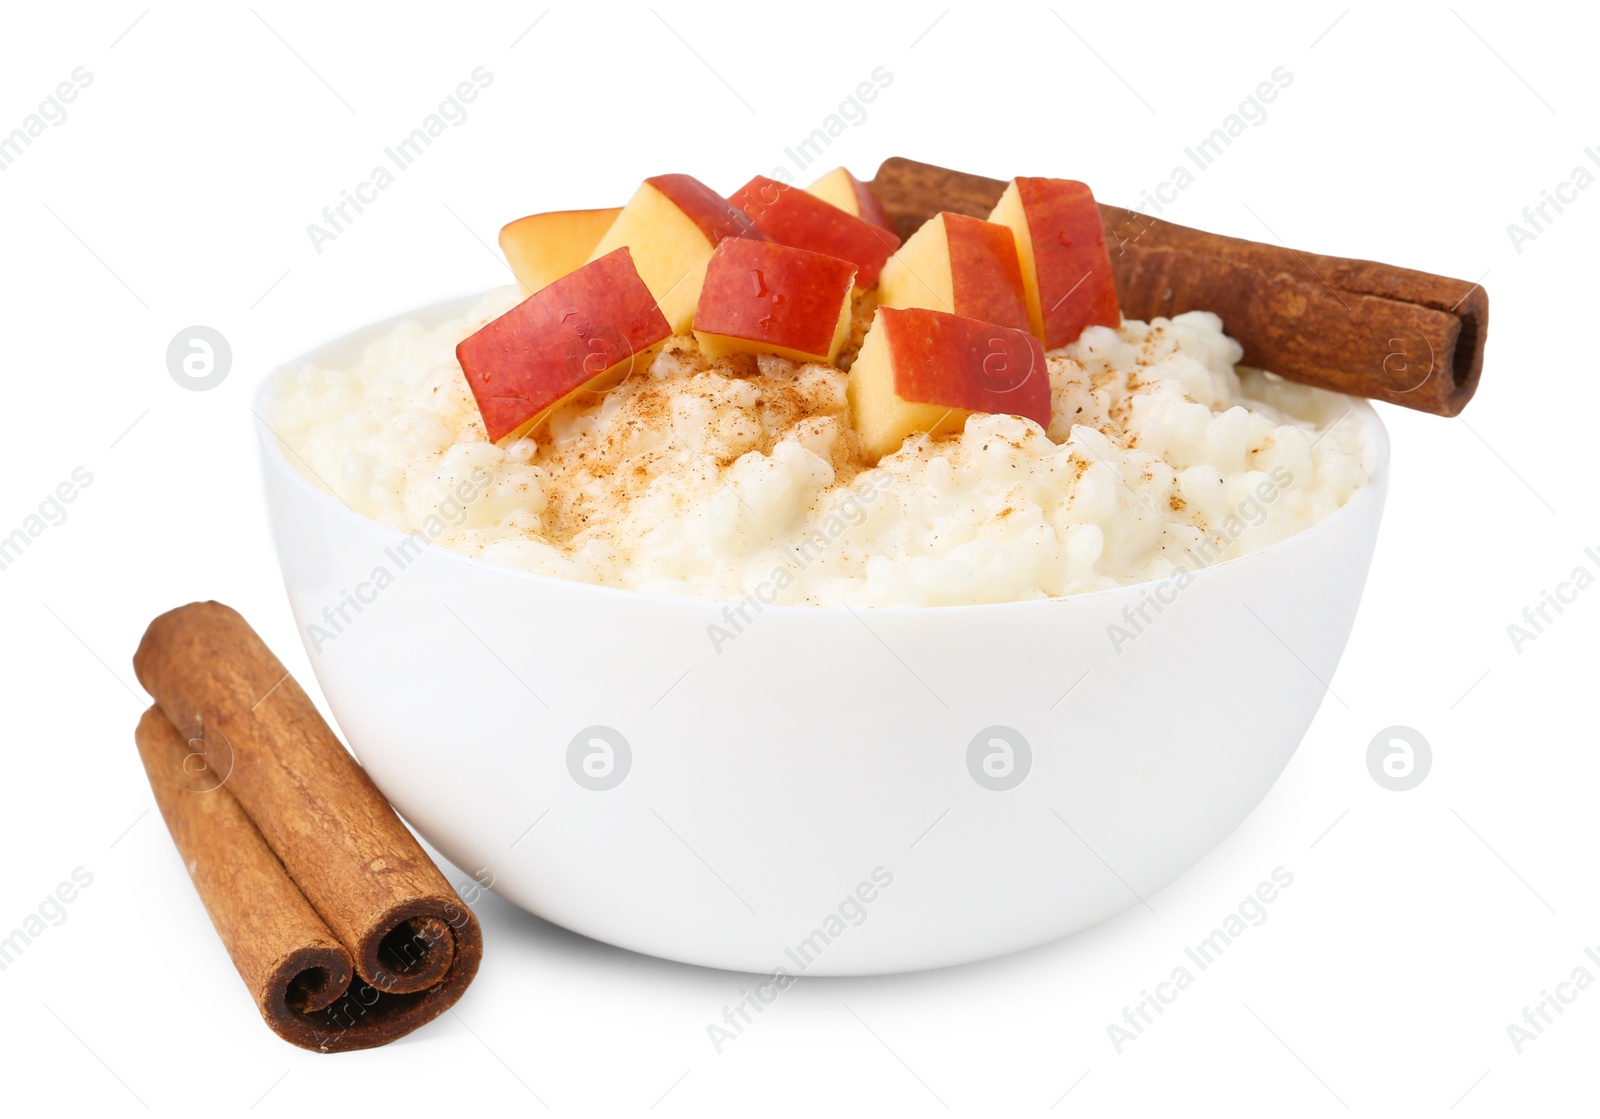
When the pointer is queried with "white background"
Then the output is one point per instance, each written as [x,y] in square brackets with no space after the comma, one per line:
[177,193]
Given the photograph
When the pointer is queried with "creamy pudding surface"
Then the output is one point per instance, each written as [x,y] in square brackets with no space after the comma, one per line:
[742,477]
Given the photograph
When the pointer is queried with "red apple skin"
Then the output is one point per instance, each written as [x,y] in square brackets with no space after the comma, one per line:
[575,331]
[1076,285]
[714,214]
[957,362]
[985,276]
[786,298]
[792,216]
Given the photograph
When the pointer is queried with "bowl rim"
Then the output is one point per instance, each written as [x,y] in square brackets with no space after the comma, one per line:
[273,447]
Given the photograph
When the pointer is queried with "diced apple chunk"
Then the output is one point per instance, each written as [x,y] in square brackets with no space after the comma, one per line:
[922,370]
[962,266]
[761,297]
[671,225]
[852,196]
[585,332]
[1066,269]
[542,248]
[790,216]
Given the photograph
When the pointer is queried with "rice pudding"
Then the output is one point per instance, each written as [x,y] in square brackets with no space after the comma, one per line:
[742,476]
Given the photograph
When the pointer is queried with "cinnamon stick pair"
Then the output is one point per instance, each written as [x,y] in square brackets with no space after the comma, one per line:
[342,928]
[1353,326]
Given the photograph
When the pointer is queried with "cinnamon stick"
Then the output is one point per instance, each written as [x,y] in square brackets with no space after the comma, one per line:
[309,876]
[1353,326]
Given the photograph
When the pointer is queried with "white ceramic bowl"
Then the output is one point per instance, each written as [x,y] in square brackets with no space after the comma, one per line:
[816,797]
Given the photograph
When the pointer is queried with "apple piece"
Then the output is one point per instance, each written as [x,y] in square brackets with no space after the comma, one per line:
[852,196]
[586,332]
[962,266]
[761,297]
[922,370]
[1066,269]
[542,248]
[672,224]
[790,216]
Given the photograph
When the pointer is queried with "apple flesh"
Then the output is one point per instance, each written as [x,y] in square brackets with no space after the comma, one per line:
[761,297]
[962,266]
[585,332]
[790,216]
[542,248]
[671,225]
[922,370]
[1066,269]
[852,196]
